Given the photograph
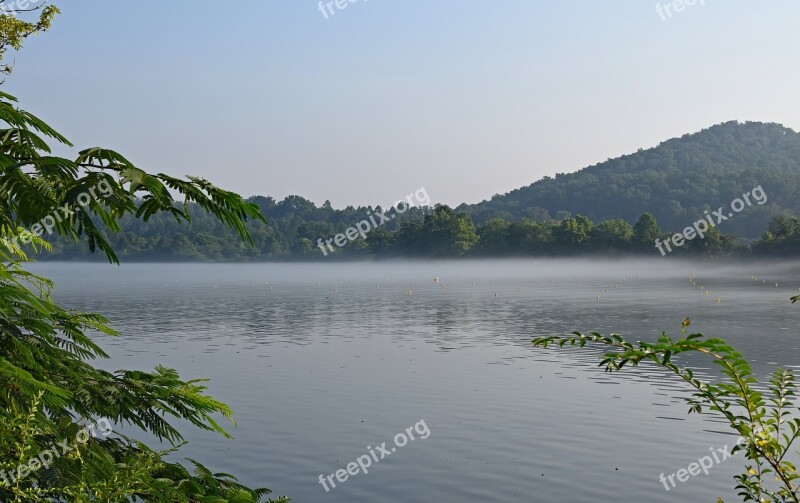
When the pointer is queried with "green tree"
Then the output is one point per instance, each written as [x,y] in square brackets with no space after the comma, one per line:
[408,240]
[714,243]
[573,233]
[645,233]
[493,237]
[304,247]
[781,237]
[613,235]
[48,387]
[379,242]
[529,237]
[446,233]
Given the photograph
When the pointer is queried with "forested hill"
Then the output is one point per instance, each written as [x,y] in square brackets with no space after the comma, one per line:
[675,181]
[592,210]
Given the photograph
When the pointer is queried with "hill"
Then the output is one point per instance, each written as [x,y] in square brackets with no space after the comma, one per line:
[675,182]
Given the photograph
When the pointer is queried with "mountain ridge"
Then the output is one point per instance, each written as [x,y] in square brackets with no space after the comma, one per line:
[675,180]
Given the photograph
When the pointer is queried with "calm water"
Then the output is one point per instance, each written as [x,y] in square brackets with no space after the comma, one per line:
[320,361]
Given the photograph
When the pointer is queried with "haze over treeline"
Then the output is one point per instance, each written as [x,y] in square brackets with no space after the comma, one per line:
[597,209]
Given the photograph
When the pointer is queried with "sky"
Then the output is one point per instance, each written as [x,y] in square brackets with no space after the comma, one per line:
[365,104]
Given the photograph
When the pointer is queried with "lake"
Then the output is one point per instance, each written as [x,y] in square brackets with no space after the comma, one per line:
[322,361]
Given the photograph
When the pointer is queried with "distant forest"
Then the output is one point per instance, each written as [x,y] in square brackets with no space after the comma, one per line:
[620,206]
[675,182]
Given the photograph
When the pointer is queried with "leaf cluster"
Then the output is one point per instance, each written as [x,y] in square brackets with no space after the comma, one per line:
[765,420]
[49,388]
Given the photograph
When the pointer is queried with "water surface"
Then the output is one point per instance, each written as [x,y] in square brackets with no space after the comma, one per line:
[320,361]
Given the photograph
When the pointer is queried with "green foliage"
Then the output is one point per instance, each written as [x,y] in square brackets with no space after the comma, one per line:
[49,390]
[613,235]
[288,236]
[782,237]
[764,420]
[493,238]
[445,233]
[573,234]
[675,181]
[293,237]
[14,30]
[645,232]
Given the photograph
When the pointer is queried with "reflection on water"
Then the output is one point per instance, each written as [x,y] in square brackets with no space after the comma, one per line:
[320,360]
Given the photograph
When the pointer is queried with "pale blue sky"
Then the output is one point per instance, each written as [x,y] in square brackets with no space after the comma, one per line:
[466,98]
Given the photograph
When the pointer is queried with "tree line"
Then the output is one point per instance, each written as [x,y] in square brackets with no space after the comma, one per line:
[294,228]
